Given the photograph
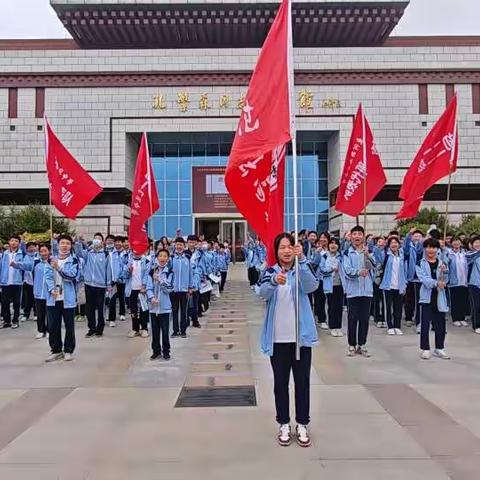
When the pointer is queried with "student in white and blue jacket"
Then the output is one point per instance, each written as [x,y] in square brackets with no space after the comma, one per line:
[159,287]
[60,276]
[458,282]
[97,274]
[393,285]
[223,261]
[28,300]
[333,275]
[360,268]
[40,291]
[182,288]
[413,253]
[433,275]
[12,265]
[278,341]
[473,259]
[118,258]
[135,274]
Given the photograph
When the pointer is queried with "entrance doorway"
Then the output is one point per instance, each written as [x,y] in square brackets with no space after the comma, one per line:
[210,229]
[235,233]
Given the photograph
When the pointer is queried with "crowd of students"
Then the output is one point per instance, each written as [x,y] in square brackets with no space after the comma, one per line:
[420,278]
[72,278]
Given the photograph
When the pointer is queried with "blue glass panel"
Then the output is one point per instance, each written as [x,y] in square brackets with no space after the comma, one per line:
[171,224]
[308,187]
[309,222]
[185,190]
[171,189]
[185,170]
[185,207]
[186,224]
[308,168]
[171,207]
[308,205]
[171,169]
[323,188]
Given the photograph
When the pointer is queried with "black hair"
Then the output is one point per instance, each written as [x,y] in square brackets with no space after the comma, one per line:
[98,234]
[474,239]
[29,244]
[325,234]
[15,237]
[180,240]
[110,237]
[192,238]
[431,242]
[64,236]
[44,245]
[456,238]
[162,250]
[118,238]
[302,232]
[358,228]
[435,234]
[334,240]
[278,239]
[313,231]
[394,233]
[391,239]
[418,231]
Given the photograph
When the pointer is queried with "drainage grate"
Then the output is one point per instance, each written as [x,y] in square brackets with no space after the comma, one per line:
[217,397]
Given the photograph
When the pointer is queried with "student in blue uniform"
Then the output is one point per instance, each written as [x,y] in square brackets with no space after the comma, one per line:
[279,338]
[12,265]
[117,264]
[393,285]
[97,274]
[433,275]
[159,287]
[60,276]
[359,265]
[28,301]
[473,259]
[40,291]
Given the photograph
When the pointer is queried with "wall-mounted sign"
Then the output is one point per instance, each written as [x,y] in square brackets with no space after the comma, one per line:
[209,192]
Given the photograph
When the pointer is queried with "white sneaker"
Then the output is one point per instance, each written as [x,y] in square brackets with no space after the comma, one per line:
[133,333]
[464,323]
[40,335]
[379,324]
[419,328]
[303,437]
[324,326]
[284,435]
[441,354]
[477,330]
[409,324]
[68,357]
[398,331]
[339,333]
[144,333]
[351,352]
[364,352]
[458,324]
[54,357]
[35,318]
[391,331]
[113,324]
[122,318]
[425,355]
[23,318]
[333,333]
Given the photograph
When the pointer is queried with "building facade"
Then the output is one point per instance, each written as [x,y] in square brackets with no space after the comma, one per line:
[179,71]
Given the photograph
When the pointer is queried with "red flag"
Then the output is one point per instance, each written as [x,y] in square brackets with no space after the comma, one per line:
[71,187]
[351,195]
[436,158]
[255,172]
[409,209]
[144,199]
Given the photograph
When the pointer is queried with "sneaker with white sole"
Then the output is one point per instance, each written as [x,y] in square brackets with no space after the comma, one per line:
[464,323]
[133,333]
[53,357]
[457,324]
[122,318]
[477,330]
[425,355]
[113,324]
[440,353]
[303,437]
[324,326]
[339,333]
[23,318]
[391,331]
[14,326]
[333,333]
[351,352]
[144,333]
[398,332]
[409,324]
[419,328]
[284,435]
[364,352]
[68,357]
[40,335]
[378,324]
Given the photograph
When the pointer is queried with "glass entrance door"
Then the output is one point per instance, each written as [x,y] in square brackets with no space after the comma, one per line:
[235,233]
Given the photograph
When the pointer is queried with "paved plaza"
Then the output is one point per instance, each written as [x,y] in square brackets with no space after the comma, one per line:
[111,414]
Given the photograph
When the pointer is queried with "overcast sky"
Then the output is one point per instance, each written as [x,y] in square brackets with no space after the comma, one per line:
[36,19]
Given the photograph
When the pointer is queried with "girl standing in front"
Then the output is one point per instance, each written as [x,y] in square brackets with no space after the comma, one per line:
[277,287]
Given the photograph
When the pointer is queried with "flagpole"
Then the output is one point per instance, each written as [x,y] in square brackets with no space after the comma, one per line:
[150,192]
[50,206]
[364,140]
[449,188]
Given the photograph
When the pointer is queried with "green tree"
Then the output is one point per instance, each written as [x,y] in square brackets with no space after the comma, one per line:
[425,218]
[469,225]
